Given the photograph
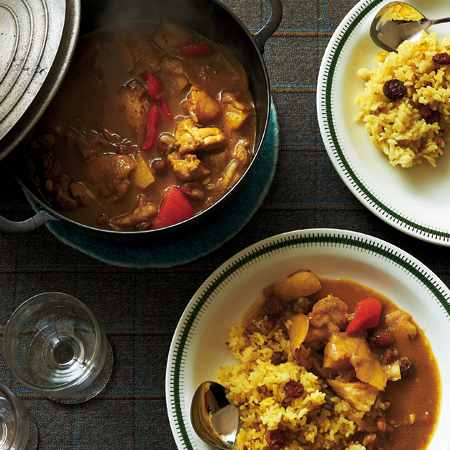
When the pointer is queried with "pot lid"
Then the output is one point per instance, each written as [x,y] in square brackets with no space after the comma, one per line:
[36,36]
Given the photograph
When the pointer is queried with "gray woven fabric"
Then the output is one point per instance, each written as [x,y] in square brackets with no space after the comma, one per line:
[140,308]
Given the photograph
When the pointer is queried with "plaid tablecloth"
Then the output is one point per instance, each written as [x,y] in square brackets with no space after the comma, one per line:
[140,308]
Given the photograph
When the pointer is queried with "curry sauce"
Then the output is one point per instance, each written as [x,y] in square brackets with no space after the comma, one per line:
[143,108]
[403,414]
[414,401]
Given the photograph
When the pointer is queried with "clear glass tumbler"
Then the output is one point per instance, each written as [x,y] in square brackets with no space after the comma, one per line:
[57,347]
[17,429]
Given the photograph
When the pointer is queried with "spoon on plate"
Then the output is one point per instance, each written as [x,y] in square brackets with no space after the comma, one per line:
[388,31]
[213,417]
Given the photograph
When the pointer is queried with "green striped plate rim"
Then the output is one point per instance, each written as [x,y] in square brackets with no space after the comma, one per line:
[337,239]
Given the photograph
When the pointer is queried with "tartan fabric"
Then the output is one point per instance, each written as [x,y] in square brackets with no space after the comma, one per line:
[140,308]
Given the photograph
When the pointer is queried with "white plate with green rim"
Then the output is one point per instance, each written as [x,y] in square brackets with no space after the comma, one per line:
[198,346]
[414,200]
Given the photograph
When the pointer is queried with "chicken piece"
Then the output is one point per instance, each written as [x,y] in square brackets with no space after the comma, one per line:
[188,168]
[58,187]
[344,353]
[135,107]
[175,68]
[327,317]
[62,197]
[400,323]
[236,112]
[191,138]
[300,284]
[65,201]
[367,366]
[338,351]
[142,212]
[237,66]
[392,371]
[143,52]
[230,175]
[92,145]
[240,152]
[82,194]
[170,36]
[201,106]
[109,175]
[360,395]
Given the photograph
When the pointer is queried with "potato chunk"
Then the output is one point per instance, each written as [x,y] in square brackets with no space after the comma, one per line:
[301,284]
[298,331]
[142,177]
[236,112]
[201,106]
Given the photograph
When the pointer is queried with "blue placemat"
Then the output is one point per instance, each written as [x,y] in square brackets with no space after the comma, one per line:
[195,245]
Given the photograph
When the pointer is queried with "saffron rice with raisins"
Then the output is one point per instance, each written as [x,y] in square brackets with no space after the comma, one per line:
[317,420]
[409,129]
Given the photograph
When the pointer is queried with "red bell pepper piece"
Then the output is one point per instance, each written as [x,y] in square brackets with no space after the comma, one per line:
[151,134]
[153,85]
[367,315]
[196,50]
[164,109]
[175,208]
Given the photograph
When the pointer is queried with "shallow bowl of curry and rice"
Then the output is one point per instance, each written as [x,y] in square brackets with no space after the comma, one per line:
[323,339]
[157,124]
[384,119]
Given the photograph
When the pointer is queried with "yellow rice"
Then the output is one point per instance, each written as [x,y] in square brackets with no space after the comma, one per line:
[317,420]
[396,127]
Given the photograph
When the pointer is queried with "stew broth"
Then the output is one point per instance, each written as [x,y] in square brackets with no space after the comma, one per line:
[112,142]
[413,402]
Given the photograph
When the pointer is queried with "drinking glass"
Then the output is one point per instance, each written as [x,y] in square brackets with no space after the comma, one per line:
[17,429]
[57,347]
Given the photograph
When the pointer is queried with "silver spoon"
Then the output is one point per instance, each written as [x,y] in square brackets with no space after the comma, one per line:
[213,417]
[389,34]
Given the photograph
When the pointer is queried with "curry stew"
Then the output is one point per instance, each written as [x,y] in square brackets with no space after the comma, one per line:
[148,115]
[389,364]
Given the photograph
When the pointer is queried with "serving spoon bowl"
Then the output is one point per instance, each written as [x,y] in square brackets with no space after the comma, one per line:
[397,22]
[213,417]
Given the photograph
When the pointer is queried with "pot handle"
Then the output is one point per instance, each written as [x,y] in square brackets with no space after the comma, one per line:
[27,225]
[276,13]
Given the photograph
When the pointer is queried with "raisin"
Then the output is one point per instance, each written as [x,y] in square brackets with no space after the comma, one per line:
[382,338]
[272,307]
[302,305]
[275,438]
[389,355]
[194,190]
[394,89]
[406,367]
[294,389]
[431,116]
[441,58]
[165,144]
[160,166]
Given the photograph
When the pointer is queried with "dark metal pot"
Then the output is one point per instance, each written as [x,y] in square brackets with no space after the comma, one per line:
[214,21]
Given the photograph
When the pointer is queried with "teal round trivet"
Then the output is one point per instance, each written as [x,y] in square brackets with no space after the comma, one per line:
[222,229]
